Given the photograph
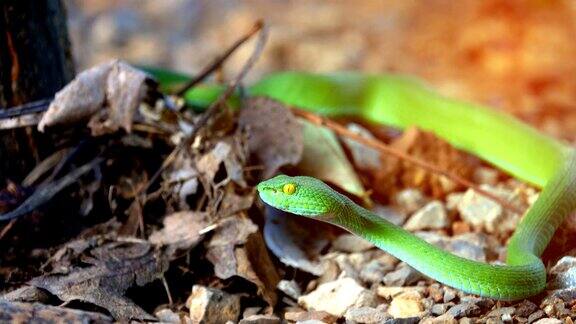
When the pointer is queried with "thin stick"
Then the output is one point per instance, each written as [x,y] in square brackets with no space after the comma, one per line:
[213,108]
[219,60]
[378,145]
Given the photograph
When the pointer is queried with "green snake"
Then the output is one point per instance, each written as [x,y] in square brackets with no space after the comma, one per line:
[401,102]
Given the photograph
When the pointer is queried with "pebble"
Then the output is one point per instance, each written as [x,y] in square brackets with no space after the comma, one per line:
[260,319]
[365,158]
[563,273]
[404,275]
[336,297]
[479,210]
[351,243]
[449,294]
[290,288]
[470,245]
[321,316]
[167,316]
[432,216]
[525,308]
[374,271]
[440,309]
[209,305]
[394,216]
[443,319]
[502,312]
[536,316]
[407,304]
[367,315]
[549,321]
[464,310]
[410,200]
[390,292]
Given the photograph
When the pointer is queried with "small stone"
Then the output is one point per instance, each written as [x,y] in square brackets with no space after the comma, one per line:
[460,227]
[485,175]
[449,294]
[406,320]
[367,315]
[374,271]
[290,288]
[431,216]
[563,273]
[435,292]
[391,292]
[440,309]
[453,199]
[526,308]
[470,245]
[549,321]
[260,319]
[464,310]
[536,316]
[479,210]
[394,216]
[300,317]
[410,200]
[566,295]
[249,311]
[406,304]
[403,275]
[466,320]
[351,243]
[168,316]
[334,297]
[501,312]
[209,305]
[555,307]
[444,319]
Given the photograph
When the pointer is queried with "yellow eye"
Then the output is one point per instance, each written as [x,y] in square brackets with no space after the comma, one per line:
[289,188]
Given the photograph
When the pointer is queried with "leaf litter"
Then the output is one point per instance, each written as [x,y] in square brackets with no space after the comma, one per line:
[174,214]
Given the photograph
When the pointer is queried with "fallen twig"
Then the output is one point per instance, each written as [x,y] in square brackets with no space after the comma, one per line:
[45,193]
[378,145]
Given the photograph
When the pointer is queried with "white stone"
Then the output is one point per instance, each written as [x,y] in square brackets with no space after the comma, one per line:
[432,216]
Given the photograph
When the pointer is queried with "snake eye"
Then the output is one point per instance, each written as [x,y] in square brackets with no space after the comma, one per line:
[289,188]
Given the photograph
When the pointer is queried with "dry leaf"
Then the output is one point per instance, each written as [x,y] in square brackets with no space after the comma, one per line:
[13,312]
[112,269]
[115,84]
[324,159]
[181,230]
[296,241]
[237,249]
[275,137]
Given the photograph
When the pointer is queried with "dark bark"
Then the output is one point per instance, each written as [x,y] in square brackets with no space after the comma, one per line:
[35,62]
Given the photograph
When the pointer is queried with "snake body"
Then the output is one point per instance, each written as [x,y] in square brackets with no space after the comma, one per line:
[401,102]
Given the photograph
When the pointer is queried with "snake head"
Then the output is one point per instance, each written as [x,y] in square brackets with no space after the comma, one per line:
[305,196]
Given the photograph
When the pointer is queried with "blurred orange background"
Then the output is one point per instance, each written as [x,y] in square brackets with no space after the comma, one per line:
[518,56]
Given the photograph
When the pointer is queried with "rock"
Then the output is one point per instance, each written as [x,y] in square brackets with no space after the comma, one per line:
[406,304]
[470,245]
[486,175]
[453,199]
[408,320]
[525,308]
[555,307]
[482,212]
[449,294]
[549,321]
[209,305]
[351,243]
[290,288]
[168,316]
[390,292]
[403,275]
[431,216]
[502,312]
[566,295]
[440,309]
[536,316]
[260,319]
[394,216]
[444,319]
[374,271]
[436,292]
[367,315]
[336,297]
[563,273]
[300,317]
[464,310]
[312,322]
[410,200]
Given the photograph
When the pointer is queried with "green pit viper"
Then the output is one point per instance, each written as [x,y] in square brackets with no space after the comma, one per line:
[401,102]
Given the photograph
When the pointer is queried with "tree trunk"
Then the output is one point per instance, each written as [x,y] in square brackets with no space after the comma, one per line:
[35,62]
